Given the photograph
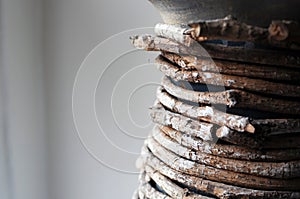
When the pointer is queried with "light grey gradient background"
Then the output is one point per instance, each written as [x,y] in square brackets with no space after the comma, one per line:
[43,43]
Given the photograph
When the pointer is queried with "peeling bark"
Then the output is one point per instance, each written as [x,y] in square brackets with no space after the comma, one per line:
[233,98]
[229,81]
[147,191]
[267,169]
[181,123]
[231,151]
[224,176]
[188,62]
[170,188]
[205,113]
[219,189]
[249,55]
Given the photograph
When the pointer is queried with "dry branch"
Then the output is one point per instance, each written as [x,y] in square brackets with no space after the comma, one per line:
[225,97]
[229,81]
[224,176]
[233,98]
[181,123]
[205,113]
[219,189]
[147,191]
[170,188]
[233,137]
[259,56]
[233,68]
[267,169]
[231,151]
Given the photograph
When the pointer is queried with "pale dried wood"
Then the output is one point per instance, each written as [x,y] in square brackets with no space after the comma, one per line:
[259,56]
[175,32]
[229,81]
[228,29]
[181,123]
[147,191]
[171,188]
[261,142]
[216,188]
[267,169]
[231,151]
[233,98]
[224,176]
[225,97]
[233,137]
[205,113]
[232,30]
[189,62]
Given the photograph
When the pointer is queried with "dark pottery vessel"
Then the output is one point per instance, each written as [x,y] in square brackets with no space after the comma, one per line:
[253,12]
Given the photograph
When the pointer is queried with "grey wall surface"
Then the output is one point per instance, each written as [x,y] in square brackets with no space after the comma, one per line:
[22,92]
[44,44]
[72,29]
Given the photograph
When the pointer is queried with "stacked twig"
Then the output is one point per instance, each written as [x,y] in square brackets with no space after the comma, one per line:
[227,113]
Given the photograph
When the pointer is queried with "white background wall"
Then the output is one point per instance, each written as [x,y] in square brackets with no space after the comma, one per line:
[42,46]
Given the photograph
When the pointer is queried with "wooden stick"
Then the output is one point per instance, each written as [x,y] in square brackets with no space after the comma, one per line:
[228,29]
[224,176]
[225,97]
[258,56]
[147,191]
[231,151]
[233,137]
[216,188]
[205,113]
[267,169]
[233,98]
[181,123]
[170,188]
[174,32]
[189,62]
[229,81]
[232,30]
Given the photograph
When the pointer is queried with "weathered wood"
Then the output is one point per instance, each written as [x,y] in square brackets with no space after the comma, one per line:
[233,98]
[189,62]
[277,126]
[228,29]
[216,188]
[225,97]
[171,188]
[231,151]
[249,55]
[224,176]
[229,81]
[174,32]
[181,123]
[233,137]
[267,169]
[205,113]
[147,191]
[232,30]
[261,142]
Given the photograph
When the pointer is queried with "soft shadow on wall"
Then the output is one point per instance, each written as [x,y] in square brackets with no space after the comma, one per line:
[46,43]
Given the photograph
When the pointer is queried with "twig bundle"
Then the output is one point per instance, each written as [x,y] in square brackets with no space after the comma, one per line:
[227,115]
